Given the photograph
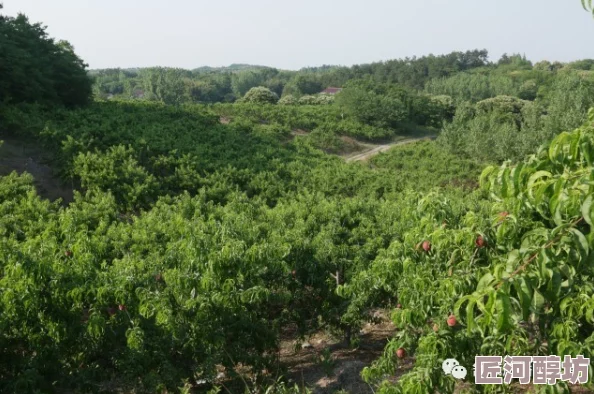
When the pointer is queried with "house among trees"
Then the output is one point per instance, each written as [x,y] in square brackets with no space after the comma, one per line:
[138,94]
[331,90]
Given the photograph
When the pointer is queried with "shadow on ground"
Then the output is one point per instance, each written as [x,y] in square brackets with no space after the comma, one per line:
[342,370]
[24,156]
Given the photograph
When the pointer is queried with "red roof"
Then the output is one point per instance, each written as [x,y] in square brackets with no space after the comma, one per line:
[332,90]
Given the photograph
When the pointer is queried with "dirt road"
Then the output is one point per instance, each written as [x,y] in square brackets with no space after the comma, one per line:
[382,148]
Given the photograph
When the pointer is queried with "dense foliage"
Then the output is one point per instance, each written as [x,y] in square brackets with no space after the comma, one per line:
[157,199]
[429,165]
[507,127]
[260,95]
[36,68]
[381,101]
[134,294]
[514,268]
[207,85]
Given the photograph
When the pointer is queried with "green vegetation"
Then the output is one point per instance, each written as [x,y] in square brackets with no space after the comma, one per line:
[36,68]
[207,85]
[191,247]
[507,127]
[417,161]
[512,266]
[260,95]
[204,229]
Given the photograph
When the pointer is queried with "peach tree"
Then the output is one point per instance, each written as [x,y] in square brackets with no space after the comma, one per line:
[508,273]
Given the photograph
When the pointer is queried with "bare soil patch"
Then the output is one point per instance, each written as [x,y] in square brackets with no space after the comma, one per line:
[299,132]
[342,370]
[23,156]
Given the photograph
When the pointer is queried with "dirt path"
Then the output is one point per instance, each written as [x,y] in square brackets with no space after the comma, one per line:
[23,156]
[376,149]
[326,364]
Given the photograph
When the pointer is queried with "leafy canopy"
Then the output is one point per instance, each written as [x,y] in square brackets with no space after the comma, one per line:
[36,68]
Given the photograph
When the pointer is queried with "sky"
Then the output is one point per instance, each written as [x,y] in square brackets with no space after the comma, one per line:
[296,34]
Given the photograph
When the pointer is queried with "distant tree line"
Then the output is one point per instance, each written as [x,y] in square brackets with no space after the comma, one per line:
[212,85]
[208,85]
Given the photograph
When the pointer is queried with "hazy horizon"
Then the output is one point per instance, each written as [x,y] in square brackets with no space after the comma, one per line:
[195,34]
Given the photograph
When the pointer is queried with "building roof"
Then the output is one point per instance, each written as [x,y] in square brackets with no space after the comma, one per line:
[331,90]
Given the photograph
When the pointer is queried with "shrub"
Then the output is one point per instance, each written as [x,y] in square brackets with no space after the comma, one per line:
[320,99]
[501,105]
[118,171]
[289,99]
[260,95]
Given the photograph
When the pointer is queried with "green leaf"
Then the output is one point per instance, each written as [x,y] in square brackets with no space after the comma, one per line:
[525,293]
[586,147]
[557,146]
[564,305]
[485,175]
[538,302]
[470,320]
[512,261]
[590,315]
[555,201]
[504,310]
[574,146]
[485,282]
[535,177]
[517,171]
[581,243]
[587,209]
[504,180]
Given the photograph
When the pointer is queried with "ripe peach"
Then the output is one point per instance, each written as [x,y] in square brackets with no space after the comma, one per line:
[426,246]
[452,321]
[480,242]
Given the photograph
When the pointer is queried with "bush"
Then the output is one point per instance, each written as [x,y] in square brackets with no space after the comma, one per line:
[512,268]
[528,90]
[472,87]
[307,100]
[289,99]
[501,105]
[117,171]
[506,107]
[326,139]
[260,95]
[324,99]
[445,102]
[320,99]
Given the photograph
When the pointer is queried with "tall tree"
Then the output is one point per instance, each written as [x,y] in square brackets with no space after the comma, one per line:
[165,84]
[35,68]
